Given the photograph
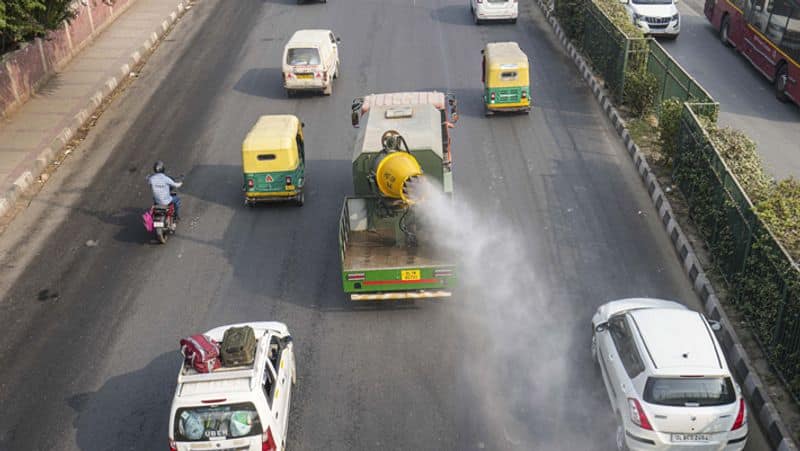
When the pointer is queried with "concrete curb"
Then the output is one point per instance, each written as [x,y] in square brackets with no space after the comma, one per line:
[46,155]
[754,390]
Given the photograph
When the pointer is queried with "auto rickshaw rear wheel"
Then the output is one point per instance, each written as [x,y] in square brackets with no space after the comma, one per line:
[300,199]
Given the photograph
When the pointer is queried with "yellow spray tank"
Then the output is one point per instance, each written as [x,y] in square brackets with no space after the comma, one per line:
[395,169]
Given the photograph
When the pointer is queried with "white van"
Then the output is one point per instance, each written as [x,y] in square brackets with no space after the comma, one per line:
[243,408]
[655,17]
[483,10]
[311,61]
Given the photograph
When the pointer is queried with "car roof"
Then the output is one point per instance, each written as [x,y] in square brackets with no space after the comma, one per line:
[677,341]
[309,37]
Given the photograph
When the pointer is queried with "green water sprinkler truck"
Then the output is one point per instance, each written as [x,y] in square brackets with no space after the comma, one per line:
[385,251]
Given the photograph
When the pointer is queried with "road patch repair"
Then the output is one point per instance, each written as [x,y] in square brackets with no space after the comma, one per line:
[23,165]
[754,389]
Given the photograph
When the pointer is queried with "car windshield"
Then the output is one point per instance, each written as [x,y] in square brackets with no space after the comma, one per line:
[202,423]
[302,57]
[694,391]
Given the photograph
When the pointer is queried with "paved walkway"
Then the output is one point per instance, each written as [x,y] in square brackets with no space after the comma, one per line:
[31,136]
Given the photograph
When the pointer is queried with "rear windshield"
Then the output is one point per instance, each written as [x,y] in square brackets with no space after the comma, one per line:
[202,423]
[689,391]
[302,57]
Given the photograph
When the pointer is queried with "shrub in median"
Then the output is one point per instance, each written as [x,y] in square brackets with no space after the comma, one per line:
[780,210]
[739,153]
[570,14]
[641,88]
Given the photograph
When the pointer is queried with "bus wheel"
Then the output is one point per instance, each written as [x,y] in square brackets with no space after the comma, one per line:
[781,81]
[723,30]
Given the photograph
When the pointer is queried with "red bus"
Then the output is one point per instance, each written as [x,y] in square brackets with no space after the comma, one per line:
[766,32]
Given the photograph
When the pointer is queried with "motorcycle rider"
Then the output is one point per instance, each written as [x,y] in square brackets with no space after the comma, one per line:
[160,184]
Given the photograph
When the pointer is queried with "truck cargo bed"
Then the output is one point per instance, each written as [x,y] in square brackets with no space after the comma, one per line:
[370,250]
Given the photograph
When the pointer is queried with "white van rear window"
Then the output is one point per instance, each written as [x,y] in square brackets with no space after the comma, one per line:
[202,423]
[302,57]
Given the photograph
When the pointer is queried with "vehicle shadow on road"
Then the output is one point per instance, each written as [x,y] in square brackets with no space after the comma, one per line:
[129,411]
[262,82]
[453,14]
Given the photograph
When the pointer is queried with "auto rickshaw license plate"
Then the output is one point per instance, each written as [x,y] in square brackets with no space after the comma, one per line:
[305,75]
[410,274]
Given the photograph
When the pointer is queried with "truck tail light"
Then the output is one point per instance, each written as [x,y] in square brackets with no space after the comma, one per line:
[267,441]
[355,276]
[740,417]
[637,414]
[288,179]
[172,445]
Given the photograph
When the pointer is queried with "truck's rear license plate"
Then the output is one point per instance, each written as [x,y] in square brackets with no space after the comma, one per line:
[690,437]
[409,274]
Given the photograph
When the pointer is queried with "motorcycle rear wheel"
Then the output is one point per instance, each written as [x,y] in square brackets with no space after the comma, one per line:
[161,234]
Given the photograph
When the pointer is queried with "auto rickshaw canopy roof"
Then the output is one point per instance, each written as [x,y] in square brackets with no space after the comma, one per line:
[504,55]
[270,145]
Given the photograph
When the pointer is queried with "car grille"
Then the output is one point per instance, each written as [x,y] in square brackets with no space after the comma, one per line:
[657,21]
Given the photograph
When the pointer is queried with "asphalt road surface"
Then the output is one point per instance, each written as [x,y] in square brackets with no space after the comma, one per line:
[91,331]
[747,99]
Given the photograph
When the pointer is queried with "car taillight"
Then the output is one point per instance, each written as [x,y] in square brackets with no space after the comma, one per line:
[318,74]
[288,179]
[289,75]
[267,442]
[250,183]
[740,417]
[172,445]
[637,414]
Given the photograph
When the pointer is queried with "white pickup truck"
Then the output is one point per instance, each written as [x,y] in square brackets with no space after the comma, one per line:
[241,408]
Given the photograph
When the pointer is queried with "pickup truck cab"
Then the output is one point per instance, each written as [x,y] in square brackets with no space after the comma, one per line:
[242,408]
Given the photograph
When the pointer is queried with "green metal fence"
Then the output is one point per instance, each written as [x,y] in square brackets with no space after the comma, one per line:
[673,81]
[610,51]
[764,279]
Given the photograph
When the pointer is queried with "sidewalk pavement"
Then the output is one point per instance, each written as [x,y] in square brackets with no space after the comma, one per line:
[32,136]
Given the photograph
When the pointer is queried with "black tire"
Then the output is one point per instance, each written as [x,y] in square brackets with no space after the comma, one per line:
[300,199]
[724,30]
[513,21]
[161,235]
[475,19]
[781,81]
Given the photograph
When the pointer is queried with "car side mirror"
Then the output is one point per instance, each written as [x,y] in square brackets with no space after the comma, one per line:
[715,325]
[602,327]
[287,340]
[338,39]
[302,125]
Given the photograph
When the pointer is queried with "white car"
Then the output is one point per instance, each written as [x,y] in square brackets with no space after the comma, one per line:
[242,408]
[666,377]
[655,17]
[311,61]
[483,10]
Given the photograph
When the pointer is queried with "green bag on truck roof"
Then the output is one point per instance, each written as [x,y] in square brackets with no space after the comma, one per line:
[238,346]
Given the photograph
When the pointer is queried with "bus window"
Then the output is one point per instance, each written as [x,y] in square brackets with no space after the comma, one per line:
[778,20]
[791,38]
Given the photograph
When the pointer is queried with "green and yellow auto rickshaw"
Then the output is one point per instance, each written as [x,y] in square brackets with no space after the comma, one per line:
[273,160]
[505,78]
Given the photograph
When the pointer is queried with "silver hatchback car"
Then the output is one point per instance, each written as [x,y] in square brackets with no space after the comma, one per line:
[666,377]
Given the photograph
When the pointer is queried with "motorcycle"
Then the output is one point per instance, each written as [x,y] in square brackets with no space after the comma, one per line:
[162,221]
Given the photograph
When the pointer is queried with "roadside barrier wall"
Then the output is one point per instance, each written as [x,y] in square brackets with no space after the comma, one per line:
[24,71]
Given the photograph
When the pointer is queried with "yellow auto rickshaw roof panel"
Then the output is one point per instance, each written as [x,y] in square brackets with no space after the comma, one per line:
[275,135]
[505,55]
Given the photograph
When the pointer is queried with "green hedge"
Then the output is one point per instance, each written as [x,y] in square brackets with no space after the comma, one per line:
[23,20]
